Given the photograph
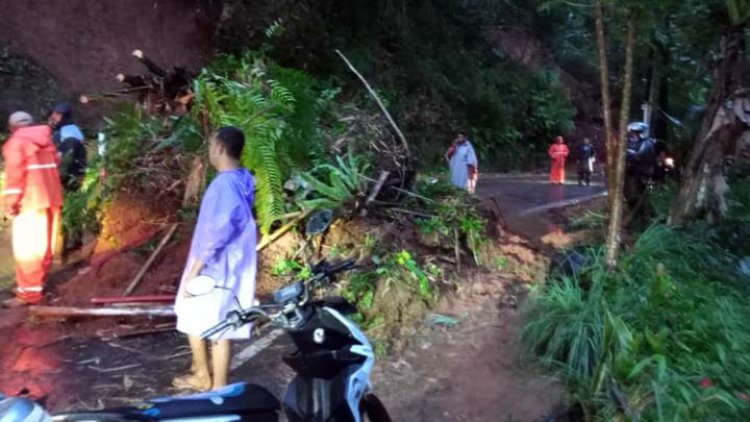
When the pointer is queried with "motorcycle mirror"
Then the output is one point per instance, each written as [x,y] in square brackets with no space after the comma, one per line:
[319,222]
[200,285]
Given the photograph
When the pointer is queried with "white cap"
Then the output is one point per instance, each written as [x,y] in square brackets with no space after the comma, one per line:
[20,118]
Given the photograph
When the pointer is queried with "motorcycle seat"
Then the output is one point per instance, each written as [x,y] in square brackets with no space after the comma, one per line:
[240,398]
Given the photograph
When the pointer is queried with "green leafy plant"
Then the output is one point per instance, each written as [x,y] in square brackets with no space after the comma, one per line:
[332,185]
[82,209]
[287,267]
[454,211]
[279,111]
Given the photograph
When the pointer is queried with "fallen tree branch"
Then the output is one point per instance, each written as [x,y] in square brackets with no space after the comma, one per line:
[377,99]
[63,311]
[280,232]
[138,277]
[410,193]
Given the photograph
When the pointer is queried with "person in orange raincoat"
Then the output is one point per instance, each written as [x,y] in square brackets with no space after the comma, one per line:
[558,152]
[33,196]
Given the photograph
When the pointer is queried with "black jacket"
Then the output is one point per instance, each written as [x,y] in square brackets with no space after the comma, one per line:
[73,166]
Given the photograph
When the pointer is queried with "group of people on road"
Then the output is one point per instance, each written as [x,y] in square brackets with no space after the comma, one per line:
[585,158]
[464,166]
[41,161]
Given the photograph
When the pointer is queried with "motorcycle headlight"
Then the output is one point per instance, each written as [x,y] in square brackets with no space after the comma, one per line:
[669,161]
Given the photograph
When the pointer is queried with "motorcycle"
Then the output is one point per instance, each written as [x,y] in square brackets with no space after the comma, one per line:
[333,362]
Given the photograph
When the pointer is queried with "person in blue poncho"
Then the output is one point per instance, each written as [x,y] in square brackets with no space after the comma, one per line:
[223,249]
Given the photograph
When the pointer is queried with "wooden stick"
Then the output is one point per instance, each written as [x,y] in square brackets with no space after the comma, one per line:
[375,191]
[377,99]
[115,336]
[378,186]
[151,66]
[119,368]
[138,277]
[457,248]
[62,311]
[132,299]
[280,232]
[416,195]
[410,212]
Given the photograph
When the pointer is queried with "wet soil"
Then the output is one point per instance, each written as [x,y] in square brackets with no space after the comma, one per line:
[474,371]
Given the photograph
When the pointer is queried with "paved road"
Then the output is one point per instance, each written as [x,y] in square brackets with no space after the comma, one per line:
[524,198]
[85,373]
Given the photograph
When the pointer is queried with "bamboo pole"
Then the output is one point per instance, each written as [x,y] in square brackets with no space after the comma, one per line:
[280,232]
[64,311]
[132,299]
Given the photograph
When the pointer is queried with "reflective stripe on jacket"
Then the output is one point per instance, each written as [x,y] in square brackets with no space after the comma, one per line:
[32,179]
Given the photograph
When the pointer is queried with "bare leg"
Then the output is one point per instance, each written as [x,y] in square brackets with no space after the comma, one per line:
[221,351]
[200,378]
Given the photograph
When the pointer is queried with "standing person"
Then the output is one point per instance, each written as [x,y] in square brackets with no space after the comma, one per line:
[33,196]
[558,152]
[223,248]
[62,117]
[463,164]
[640,162]
[70,141]
[586,159]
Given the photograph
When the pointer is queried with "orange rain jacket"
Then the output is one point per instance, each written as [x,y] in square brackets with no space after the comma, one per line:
[32,179]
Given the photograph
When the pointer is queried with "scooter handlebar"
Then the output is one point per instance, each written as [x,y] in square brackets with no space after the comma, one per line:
[238,318]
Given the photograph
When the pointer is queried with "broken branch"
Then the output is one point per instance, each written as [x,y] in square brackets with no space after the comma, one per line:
[280,232]
[375,191]
[138,277]
[377,99]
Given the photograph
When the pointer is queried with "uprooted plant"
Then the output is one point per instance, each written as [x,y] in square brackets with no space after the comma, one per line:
[333,185]
[455,217]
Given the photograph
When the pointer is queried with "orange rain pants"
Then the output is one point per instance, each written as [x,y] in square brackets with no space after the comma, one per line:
[557,171]
[34,241]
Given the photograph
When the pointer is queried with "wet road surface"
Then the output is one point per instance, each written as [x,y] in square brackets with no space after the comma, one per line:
[72,373]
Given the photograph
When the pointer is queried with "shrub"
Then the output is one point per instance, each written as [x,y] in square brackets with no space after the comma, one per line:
[662,338]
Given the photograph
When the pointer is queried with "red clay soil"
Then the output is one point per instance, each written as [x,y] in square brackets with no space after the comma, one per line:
[84,44]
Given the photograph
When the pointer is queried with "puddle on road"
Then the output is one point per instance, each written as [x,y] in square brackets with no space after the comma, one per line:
[31,359]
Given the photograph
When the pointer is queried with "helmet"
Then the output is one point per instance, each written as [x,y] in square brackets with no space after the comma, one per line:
[640,128]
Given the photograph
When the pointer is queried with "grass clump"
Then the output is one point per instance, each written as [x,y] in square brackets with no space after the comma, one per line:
[664,337]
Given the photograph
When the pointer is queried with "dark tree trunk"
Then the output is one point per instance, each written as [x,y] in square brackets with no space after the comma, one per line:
[616,194]
[703,187]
